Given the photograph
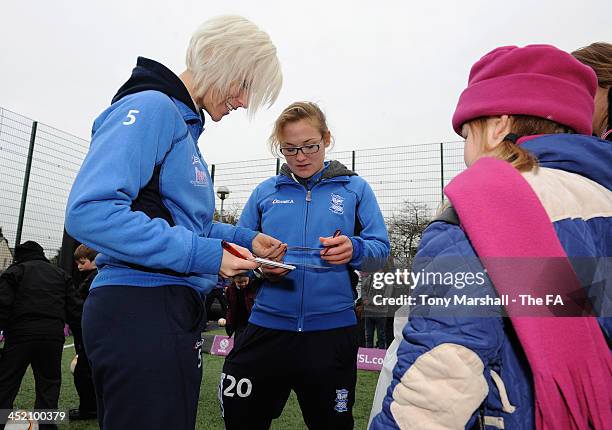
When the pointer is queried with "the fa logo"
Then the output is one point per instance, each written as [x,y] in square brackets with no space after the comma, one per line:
[337,204]
[341,400]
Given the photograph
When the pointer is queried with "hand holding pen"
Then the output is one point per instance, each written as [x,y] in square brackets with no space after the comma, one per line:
[270,272]
[235,260]
[338,248]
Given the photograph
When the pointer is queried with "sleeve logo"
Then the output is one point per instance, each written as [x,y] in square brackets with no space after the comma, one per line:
[201,179]
[131,118]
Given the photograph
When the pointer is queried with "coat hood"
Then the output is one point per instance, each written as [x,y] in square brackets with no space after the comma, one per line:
[151,75]
[332,169]
[29,250]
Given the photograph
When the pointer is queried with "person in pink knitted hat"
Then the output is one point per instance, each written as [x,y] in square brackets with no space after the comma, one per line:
[523,345]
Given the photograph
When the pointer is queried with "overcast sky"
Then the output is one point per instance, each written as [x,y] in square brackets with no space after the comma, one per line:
[386,72]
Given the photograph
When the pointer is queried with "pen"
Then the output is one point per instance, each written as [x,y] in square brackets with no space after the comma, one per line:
[336,234]
[229,248]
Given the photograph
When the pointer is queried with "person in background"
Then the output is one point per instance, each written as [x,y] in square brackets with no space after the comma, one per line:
[537,190]
[598,56]
[83,381]
[332,219]
[36,300]
[217,294]
[374,316]
[359,310]
[145,200]
[85,259]
[240,296]
[388,331]
[377,316]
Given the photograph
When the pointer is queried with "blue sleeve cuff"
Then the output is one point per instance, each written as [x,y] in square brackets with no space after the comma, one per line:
[244,237]
[207,255]
[357,252]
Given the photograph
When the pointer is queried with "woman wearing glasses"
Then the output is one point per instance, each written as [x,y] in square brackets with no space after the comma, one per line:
[301,334]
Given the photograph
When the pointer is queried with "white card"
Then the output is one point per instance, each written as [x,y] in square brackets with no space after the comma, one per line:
[267,262]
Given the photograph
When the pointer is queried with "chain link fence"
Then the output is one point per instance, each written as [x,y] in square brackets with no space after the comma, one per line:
[38,164]
[415,174]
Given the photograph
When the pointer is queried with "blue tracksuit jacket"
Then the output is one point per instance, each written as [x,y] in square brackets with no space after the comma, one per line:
[143,196]
[309,299]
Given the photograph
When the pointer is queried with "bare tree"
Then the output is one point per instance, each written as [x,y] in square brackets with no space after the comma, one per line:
[405,228]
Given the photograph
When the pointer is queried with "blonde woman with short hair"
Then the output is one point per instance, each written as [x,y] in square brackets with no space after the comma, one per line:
[145,200]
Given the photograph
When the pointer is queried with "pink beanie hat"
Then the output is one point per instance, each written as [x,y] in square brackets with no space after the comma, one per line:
[537,80]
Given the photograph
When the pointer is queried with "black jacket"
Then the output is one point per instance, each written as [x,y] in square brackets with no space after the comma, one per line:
[85,285]
[37,298]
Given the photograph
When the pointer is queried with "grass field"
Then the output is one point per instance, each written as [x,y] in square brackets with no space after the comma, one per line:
[208,411]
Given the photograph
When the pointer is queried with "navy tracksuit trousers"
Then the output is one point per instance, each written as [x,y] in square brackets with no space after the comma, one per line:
[266,364]
[144,347]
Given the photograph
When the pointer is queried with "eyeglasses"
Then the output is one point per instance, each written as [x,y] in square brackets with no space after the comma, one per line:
[291,151]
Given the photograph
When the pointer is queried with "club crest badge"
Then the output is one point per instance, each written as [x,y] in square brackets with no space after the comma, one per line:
[337,204]
[341,400]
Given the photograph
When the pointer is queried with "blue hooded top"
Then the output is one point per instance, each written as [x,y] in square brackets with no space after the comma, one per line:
[143,197]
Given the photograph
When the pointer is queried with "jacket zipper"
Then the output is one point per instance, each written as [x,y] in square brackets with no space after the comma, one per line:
[308,200]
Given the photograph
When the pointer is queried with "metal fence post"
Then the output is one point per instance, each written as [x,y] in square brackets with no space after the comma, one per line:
[277,165]
[442,171]
[26,183]
[353,162]
[212,173]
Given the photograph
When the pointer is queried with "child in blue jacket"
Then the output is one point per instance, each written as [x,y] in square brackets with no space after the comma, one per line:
[538,189]
[301,334]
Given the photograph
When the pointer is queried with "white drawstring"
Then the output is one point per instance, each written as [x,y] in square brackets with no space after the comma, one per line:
[501,387]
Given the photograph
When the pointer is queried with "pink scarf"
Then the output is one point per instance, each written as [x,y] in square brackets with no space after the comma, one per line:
[568,356]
